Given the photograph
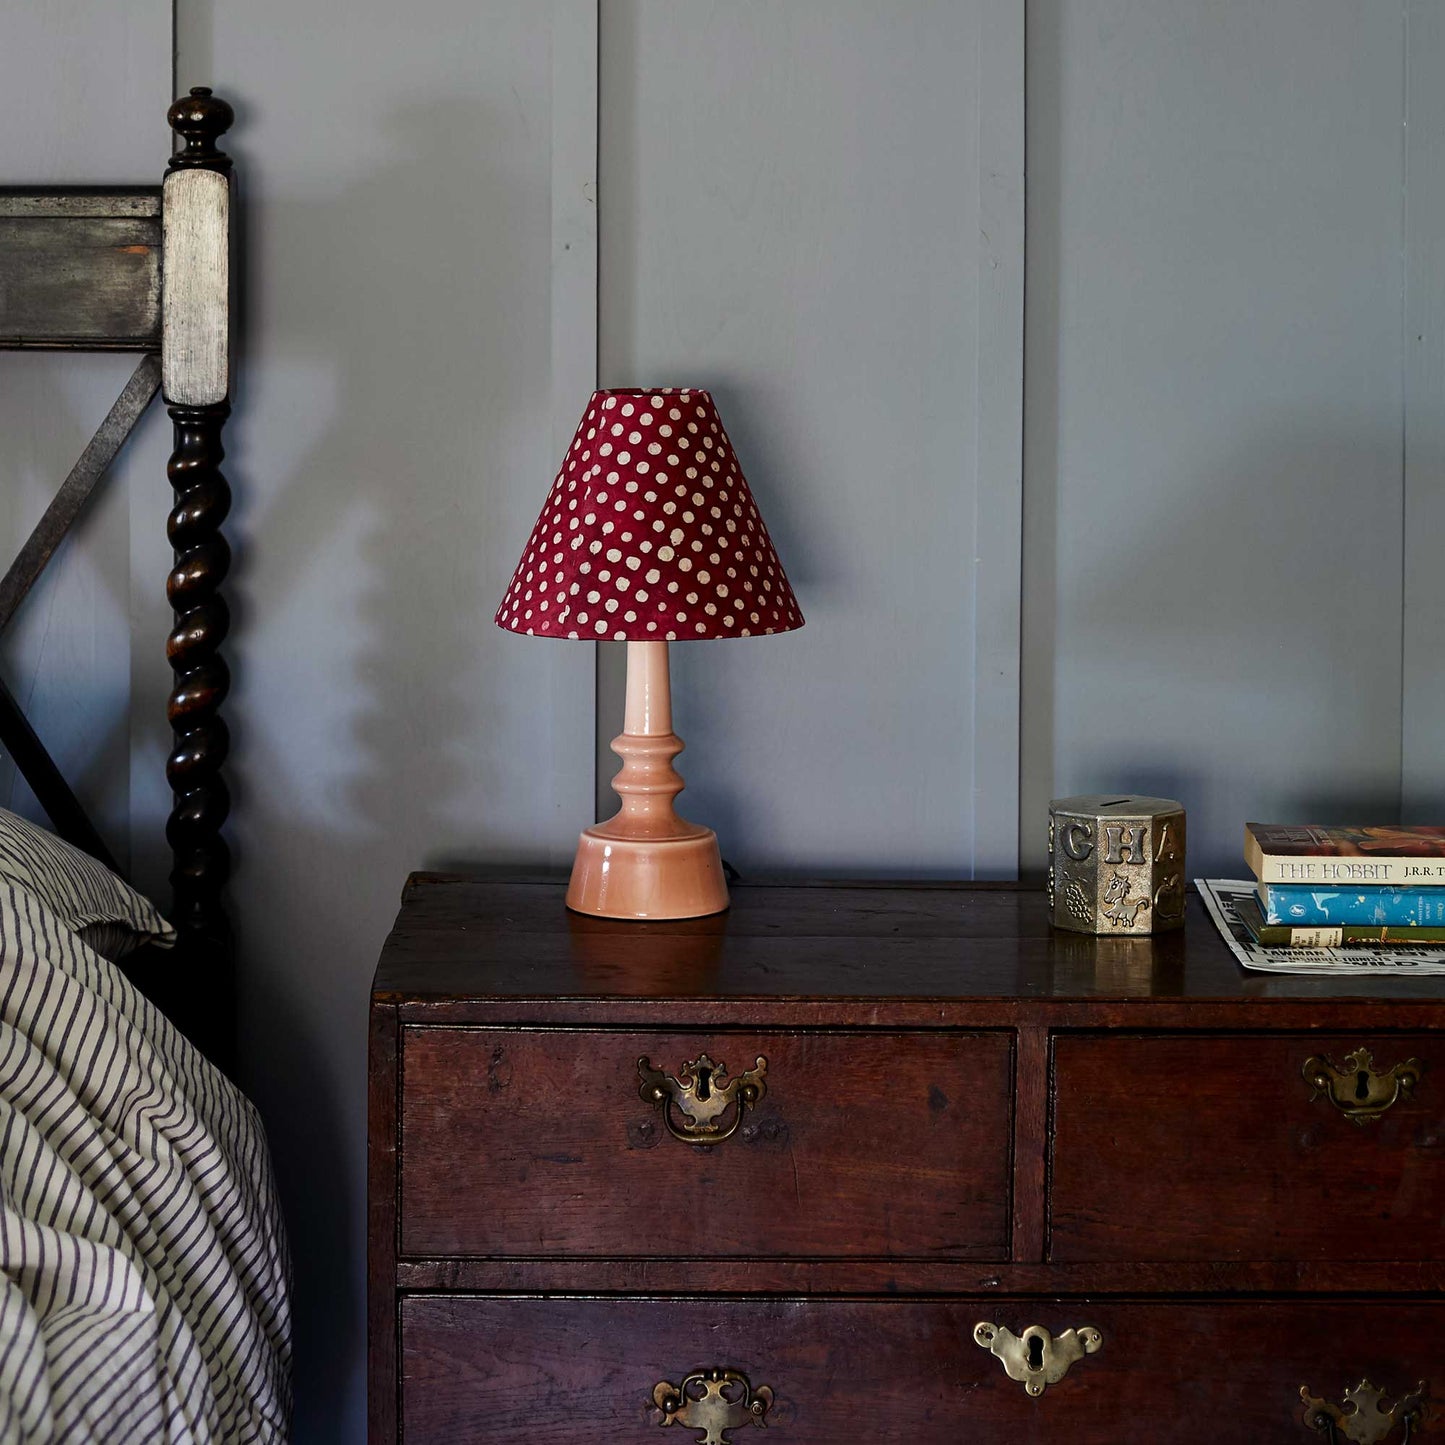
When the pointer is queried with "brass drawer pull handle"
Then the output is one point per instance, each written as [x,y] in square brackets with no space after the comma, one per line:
[702,1094]
[1361,1420]
[713,1402]
[1360,1091]
[1036,1357]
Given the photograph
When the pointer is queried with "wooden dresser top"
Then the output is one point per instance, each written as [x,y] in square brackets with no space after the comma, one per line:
[467,948]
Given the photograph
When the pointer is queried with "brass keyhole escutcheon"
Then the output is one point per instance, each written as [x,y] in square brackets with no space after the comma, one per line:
[1364,1419]
[1036,1358]
[701,1104]
[1360,1091]
[714,1403]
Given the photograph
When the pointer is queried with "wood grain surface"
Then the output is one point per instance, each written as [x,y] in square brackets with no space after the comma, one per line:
[80,269]
[474,948]
[1212,1149]
[543,1371]
[538,1144]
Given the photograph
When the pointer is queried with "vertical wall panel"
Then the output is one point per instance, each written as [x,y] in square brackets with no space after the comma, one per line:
[1423,773]
[574,354]
[85,93]
[791,217]
[998,423]
[1213,411]
[407,175]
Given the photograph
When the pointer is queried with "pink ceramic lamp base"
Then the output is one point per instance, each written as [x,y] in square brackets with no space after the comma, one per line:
[645,861]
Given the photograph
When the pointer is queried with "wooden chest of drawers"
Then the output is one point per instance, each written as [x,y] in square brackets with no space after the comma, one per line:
[892,1163]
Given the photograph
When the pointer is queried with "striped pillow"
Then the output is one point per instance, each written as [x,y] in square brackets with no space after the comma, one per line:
[85,895]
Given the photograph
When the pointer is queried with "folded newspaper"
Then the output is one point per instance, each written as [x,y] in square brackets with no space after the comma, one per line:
[1222,897]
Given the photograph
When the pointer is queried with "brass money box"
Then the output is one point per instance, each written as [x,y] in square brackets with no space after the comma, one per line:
[1116,864]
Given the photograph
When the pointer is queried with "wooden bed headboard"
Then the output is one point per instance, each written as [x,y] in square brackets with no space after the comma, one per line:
[145,269]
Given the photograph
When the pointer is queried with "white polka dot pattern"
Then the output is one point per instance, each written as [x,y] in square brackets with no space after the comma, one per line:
[649,533]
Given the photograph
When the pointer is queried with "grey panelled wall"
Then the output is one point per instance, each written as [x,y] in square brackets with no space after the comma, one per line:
[793,216]
[85,93]
[813,207]
[1423,773]
[1213,441]
[411,180]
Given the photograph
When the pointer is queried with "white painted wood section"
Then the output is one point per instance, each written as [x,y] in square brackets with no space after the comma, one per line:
[196,288]
[1212,499]
[83,96]
[792,203]
[1423,765]
[405,177]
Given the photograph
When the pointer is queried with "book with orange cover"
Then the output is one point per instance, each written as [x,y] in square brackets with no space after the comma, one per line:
[1385,856]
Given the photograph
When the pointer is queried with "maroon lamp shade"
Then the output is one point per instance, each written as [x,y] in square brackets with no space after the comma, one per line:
[649,533]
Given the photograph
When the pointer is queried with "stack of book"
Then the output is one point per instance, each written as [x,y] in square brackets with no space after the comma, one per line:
[1329,887]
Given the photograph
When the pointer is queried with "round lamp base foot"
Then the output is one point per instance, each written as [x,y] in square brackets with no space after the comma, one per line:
[647,878]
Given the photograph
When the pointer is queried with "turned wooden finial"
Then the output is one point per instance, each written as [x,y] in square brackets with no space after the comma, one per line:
[200,119]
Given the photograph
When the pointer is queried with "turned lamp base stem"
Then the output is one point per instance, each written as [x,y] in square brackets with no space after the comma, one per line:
[645,861]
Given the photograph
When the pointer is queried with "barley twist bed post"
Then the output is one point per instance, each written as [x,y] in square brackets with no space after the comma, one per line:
[146,269]
[195,364]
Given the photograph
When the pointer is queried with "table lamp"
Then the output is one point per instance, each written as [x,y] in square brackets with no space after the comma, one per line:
[649,536]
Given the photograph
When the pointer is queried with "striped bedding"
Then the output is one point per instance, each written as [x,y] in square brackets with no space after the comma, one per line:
[143,1267]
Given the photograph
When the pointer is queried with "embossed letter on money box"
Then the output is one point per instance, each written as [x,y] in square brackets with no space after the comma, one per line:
[1116,864]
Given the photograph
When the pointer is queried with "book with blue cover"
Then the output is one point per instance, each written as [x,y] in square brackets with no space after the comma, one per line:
[1303,905]
[1330,935]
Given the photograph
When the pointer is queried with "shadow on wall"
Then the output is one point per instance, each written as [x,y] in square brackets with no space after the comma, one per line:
[64,652]
[371,563]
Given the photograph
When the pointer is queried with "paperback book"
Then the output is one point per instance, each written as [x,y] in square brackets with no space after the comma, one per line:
[1394,857]
[1305,906]
[1328,935]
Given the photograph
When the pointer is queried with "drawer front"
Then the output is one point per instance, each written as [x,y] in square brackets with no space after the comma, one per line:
[540,1144]
[1202,1149]
[564,1370]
